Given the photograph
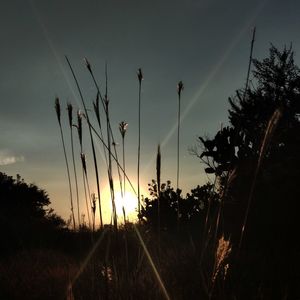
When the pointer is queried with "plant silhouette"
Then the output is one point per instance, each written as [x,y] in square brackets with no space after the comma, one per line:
[25,215]
[193,207]
[256,159]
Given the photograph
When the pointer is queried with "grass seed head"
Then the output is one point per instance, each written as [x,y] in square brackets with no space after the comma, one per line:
[140,75]
[106,101]
[123,127]
[180,88]
[222,255]
[97,108]
[79,126]
[83,160]
[57,108]
[70,113]
[93,203]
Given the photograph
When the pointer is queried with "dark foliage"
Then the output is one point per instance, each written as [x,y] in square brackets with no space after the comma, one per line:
[25,218]
[275,86]
[192,208]
[269,249]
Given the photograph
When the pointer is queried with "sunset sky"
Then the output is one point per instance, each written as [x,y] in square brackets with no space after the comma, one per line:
[204,43]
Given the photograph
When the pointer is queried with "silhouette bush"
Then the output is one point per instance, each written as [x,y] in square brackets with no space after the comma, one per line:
[25,216]
[248,145]
[192,208]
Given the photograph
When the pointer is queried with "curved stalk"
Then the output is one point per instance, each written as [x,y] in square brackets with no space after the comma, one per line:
[92,142]
[57,108]
[70,114]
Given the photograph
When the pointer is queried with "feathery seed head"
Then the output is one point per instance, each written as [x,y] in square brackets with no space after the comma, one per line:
[140,75]
[83,160]
[222,254]
[180,88]
[123,127]
[96,107]
[106,100]
[79,126]
[93,203]
[57,108]
[70,113]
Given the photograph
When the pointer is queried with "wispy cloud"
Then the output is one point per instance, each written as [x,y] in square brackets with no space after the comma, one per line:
[8,158]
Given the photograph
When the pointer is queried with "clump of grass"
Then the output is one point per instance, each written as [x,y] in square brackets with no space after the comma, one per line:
[105,103]
[91,137]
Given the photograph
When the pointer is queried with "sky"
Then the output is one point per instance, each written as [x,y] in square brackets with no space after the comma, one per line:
[205,44]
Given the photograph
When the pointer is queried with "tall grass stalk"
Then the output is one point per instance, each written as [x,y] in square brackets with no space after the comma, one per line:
[140,78]
[158,177]
[86,196]
[116,154]
[70,115]
[105,103]
[250,61]
[93,209]
[111,181]
[92,205]
[91,137]
[114,158]
[229,174]
[179,90]
[97,113]
[58,113]
[123,127]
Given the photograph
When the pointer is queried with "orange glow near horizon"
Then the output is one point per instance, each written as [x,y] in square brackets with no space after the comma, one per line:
[129,202]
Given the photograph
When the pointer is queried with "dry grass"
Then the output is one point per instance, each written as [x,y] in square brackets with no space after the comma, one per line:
[36,274]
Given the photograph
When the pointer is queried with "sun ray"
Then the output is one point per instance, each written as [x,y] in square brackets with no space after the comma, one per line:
[217,67]
[152,264]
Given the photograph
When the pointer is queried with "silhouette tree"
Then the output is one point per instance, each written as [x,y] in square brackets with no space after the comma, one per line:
[166,199]
[24,213]
[193,208]
[268,171]
[275,85]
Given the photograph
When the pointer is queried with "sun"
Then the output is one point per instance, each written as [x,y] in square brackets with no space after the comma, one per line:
[129,202]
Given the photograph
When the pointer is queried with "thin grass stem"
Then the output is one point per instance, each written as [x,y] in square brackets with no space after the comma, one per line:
[58,113]
[140,78]
[92,141]
[70,115]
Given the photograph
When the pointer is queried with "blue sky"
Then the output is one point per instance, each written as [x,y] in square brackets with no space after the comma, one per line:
[203,43]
